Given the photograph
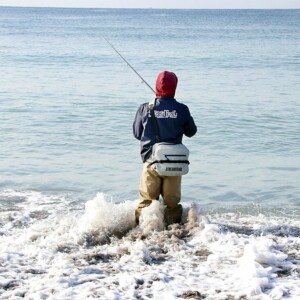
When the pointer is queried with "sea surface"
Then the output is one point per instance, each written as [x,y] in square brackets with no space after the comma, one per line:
[70,166]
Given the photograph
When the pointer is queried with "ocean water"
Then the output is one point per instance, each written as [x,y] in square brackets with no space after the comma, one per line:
[70,167]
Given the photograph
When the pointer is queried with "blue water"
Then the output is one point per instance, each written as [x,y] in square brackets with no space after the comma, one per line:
[67,101]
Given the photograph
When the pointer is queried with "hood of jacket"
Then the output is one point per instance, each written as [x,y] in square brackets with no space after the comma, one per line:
[166,84]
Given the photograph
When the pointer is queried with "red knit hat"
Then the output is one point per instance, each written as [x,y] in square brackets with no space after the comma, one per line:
[166,84]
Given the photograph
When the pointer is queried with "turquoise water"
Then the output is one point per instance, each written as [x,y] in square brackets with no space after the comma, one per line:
[67,101]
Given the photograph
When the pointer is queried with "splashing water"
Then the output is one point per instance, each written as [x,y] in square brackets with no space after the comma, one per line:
[71,253]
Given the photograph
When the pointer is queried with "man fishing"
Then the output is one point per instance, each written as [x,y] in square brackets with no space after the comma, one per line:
[173,120]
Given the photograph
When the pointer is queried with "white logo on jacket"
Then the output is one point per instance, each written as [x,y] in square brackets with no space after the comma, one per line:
[165,114]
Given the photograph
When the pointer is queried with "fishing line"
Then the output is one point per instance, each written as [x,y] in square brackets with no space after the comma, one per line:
[128,64]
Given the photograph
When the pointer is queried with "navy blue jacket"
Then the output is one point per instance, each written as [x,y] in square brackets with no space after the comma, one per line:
[173,118]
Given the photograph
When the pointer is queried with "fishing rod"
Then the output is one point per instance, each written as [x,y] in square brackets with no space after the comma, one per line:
[128,64]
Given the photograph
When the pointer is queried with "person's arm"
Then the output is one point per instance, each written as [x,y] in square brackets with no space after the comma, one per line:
[138,125]
[190,127]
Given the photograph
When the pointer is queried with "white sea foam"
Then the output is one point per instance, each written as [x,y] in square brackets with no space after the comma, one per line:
[152,218]
[53,250]
[103,215]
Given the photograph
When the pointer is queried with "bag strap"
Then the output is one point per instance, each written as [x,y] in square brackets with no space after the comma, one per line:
[155,124]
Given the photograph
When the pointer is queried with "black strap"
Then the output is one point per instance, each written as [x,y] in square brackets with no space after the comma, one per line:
[155,125]
[170,161]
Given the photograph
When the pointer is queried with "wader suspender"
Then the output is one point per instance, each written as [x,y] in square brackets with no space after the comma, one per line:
[155,125]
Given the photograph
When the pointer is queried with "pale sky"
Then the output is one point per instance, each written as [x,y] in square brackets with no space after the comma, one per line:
[156,3]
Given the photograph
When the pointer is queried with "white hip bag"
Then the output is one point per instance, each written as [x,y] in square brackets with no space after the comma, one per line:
[170,159]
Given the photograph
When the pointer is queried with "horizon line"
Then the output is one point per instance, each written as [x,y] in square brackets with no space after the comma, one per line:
[150,8]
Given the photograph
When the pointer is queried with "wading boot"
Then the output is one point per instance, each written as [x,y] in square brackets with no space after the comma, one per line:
[173,215]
